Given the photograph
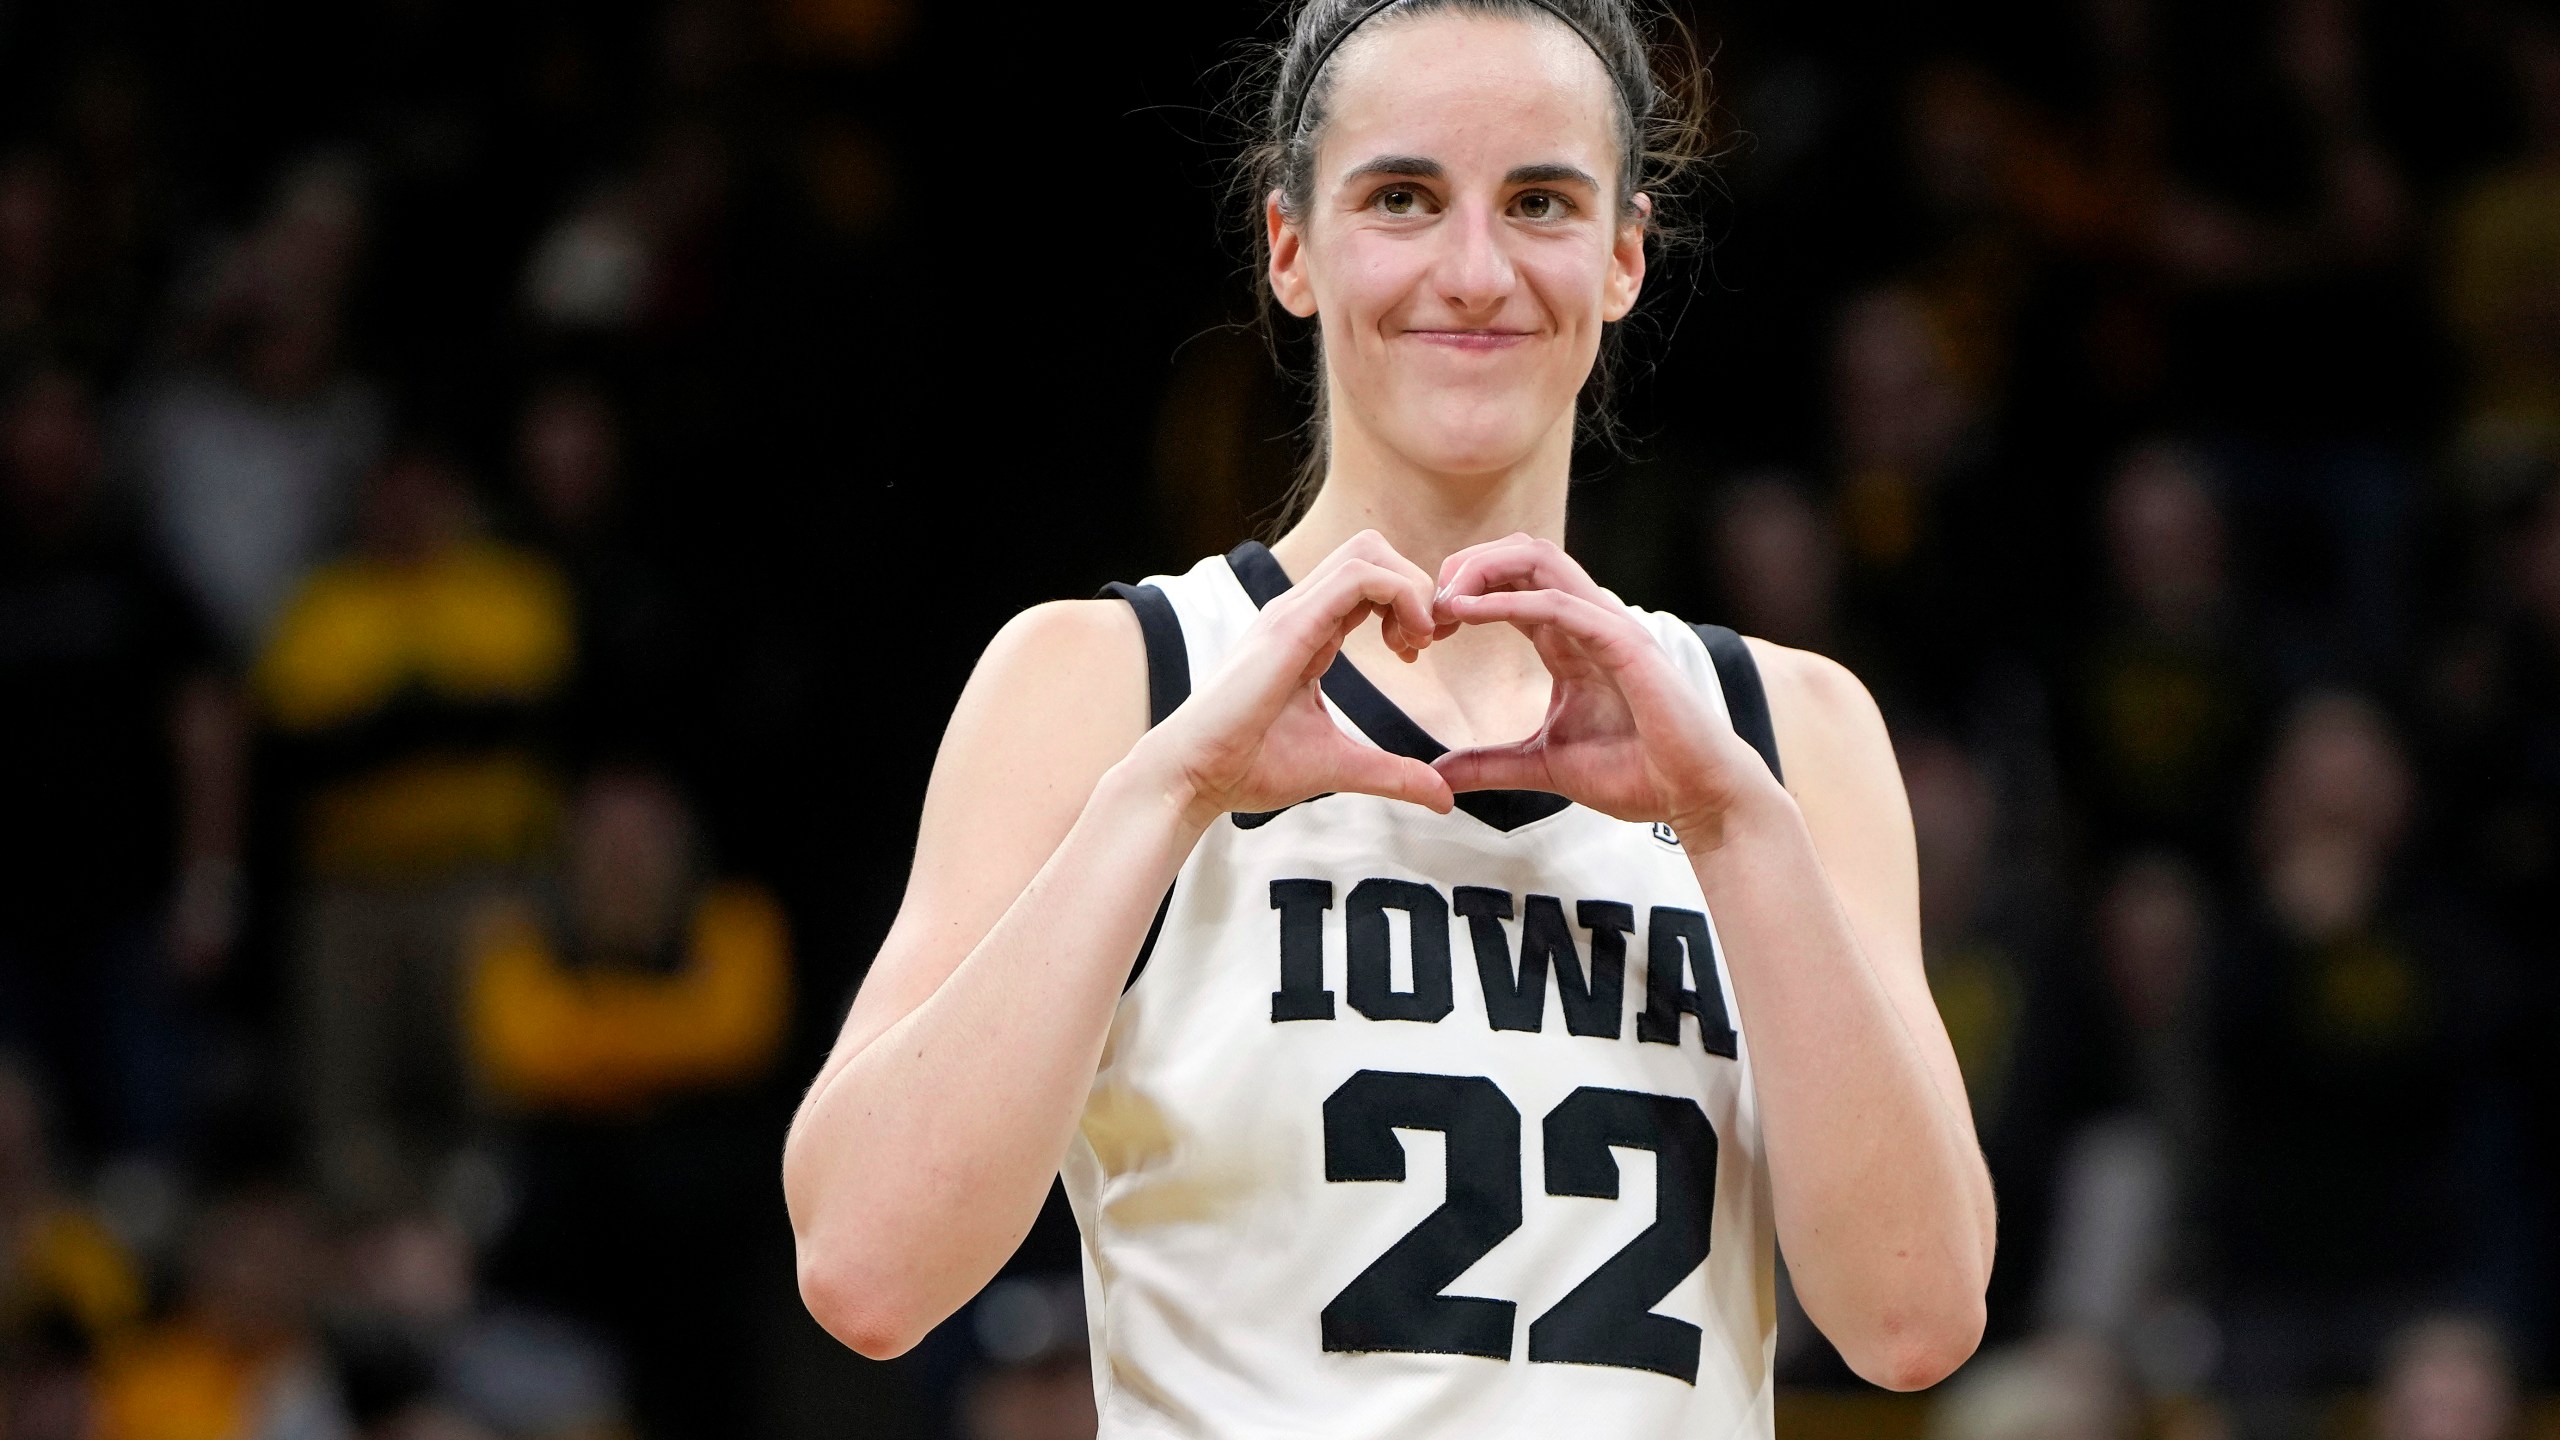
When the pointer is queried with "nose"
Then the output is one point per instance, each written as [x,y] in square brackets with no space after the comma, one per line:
[1475,270]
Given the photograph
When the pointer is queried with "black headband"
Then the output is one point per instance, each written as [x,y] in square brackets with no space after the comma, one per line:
[1307,83]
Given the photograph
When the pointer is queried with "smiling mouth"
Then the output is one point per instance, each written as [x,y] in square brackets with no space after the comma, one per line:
[1471,339]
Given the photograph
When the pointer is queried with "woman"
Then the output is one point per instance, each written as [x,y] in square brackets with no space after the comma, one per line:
[1345,931]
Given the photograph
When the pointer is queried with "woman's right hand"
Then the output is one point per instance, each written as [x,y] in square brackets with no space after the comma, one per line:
[1257,736]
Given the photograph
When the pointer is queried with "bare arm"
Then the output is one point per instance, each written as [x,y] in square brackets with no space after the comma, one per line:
[1883,1203]
[1054,822]
[920,1156]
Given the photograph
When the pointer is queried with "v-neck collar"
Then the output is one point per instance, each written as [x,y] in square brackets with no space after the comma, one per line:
[1380,718]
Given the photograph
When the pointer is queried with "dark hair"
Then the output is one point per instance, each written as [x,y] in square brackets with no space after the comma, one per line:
[1661,87]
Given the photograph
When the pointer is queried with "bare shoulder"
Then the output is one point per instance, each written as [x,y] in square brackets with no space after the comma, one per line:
[1059,695]
[1058,698]
[1065,638]
[1841,769]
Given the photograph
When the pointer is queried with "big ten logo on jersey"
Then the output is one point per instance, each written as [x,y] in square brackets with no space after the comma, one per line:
[1681,964]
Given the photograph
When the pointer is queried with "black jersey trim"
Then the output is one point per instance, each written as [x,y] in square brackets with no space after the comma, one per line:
[1168,685]
[1744,696]
[1380,718]
[1168,659]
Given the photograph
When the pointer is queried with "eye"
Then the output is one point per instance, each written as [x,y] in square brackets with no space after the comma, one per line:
[1542,205]
[1400,200]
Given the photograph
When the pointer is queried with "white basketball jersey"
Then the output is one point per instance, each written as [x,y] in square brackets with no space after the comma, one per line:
[1415,1125]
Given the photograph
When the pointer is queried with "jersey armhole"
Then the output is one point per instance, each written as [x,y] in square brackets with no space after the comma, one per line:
[1168,659]
[1168,685]
[1744,696]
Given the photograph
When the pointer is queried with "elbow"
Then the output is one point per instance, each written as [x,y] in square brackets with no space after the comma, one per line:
[850,1302]
[1915,1351]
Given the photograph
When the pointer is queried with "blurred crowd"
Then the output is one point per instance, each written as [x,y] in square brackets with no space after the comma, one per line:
[432,635]
[380,1023]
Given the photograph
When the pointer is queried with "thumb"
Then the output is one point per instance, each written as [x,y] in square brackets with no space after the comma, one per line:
[1514,766]
[1396,777]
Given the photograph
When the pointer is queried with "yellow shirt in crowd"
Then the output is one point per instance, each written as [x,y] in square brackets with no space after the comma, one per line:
[477,625]
[548,1035]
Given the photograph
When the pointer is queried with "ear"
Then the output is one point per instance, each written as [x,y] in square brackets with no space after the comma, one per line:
[1626,261]
[1289,284]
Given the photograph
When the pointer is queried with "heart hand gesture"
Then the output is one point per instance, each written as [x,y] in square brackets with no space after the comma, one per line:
[1625,732]
[1258,737]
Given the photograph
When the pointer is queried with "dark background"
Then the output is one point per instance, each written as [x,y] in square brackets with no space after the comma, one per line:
[2156,402]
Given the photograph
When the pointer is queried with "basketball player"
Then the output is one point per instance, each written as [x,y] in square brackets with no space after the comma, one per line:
[1408,1077]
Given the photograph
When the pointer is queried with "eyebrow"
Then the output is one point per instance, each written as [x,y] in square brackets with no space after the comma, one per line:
[1550,173]
[1421,167]
[1416,166]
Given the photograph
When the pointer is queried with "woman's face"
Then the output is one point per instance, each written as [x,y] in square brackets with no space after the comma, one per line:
[1463,241]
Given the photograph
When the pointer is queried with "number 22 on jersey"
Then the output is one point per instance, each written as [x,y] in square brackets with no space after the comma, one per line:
[1396,1304]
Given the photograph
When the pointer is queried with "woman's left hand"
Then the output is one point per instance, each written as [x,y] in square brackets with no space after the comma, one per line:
[1626,733]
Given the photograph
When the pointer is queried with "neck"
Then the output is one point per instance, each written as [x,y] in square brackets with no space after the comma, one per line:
[1428,515]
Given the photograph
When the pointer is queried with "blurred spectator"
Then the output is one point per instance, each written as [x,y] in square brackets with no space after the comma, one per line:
[1980,981]
[2494,693]
[1013,1364]
[30,253]
[2011,1012]
[1031,1377]
[2123,1263]
[250,453]
[239,1359]
[653,981]
[1926,511]
[1777,559]
[413,688]
[424,1354]
[120,755]
[632,644]
[78,212]
[2291,230]
[2303,347]
[2495,697]
[621,1028]
[636,253]
[2167,695]
[68,1290]
[2502,284]
[1905,411]
[2056,1388]
[2447,1378]
[2351,1030]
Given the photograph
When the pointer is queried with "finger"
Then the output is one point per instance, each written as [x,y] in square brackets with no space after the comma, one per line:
[1609,638]
[1518,562]
[1397,777]
[1372,546]
[1518,765]
[1352,619]
[1355,585]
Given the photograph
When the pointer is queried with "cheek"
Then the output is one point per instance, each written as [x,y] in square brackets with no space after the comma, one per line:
[1367,276]
[1571,282]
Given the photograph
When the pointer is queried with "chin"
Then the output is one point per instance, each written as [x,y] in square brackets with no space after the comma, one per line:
[1481,437]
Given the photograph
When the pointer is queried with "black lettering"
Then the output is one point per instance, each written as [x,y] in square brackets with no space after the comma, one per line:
[1608,1319]
[1370,976]
[1680,942]
[1301,995]
[1594,1000]
[1512,1000]
[1396,1303]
